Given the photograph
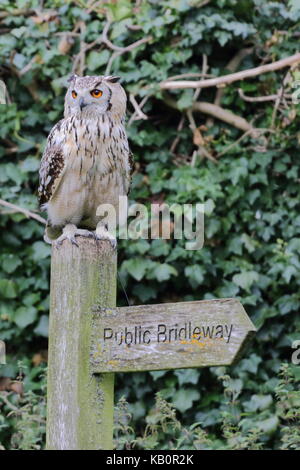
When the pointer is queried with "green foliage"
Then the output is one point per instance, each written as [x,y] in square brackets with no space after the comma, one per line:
[238,430]
[252,221]
[23,418]
[289,409]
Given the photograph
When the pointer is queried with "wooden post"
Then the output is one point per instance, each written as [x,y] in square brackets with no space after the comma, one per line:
[80,403]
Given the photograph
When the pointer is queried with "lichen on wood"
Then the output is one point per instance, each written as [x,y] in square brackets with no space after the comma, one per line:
[80,403]
[169,336]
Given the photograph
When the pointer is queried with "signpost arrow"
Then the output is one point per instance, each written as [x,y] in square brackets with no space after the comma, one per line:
[169,336]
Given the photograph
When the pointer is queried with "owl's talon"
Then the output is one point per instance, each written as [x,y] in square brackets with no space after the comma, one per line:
[47,239]
[102,234]
[74,242]
[70,231]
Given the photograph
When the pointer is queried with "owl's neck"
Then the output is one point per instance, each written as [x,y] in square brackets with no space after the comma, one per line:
[90,114]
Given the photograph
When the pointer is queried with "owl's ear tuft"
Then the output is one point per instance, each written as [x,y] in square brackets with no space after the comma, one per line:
[112,79]
[72,77]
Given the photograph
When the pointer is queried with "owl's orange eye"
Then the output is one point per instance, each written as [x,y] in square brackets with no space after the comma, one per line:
[74,94]
[96,93]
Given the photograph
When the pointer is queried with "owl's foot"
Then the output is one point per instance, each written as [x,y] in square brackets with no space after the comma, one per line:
[102,233]
[70,232]
[47,239]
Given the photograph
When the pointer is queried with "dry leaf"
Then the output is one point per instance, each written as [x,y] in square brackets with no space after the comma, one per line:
[9,385]
[65,44]
[44,17]
[198,139]
[40,357]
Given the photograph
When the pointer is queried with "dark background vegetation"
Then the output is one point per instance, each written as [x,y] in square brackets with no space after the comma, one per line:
[249,182]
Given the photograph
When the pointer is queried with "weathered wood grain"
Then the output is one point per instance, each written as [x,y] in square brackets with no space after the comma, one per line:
[169,336]
[80,404]
[3,93]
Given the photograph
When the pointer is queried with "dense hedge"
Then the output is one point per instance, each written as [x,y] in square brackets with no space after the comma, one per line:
[250,186]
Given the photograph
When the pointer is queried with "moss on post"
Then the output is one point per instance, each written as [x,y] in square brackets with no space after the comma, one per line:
[80,403]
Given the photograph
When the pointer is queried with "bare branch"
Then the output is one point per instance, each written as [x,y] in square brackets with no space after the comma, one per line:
[16,12]
[113,47]
[260,134]
[28,66]
[134,27]
[233,144]
[26,212]
[204,71]
[223,115]
[201,149]
[140,106]
[232,66]
[217,112]
[191,74]
[4,398]
[137,108]
[177,138]
[257,99]
[232,77]
[280,97]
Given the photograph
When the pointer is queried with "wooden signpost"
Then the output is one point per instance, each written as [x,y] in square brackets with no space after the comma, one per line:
[169,336]
[90,339]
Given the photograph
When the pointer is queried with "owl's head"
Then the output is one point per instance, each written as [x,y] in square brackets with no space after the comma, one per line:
[95,95]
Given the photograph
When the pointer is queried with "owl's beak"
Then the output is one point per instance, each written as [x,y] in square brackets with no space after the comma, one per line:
[82,104]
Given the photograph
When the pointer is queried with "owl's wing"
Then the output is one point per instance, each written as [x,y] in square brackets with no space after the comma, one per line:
[131,169]
[52,164]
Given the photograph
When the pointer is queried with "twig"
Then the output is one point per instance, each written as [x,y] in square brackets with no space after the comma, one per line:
[295,34]
[28,66]
[69,33]
[113,47]
[204,71]
[142,103]
[118,50]
[16,12]
[233,144]
[233,77]
[134,27]
[217,112]
[177,138]
[223,115]
[82,48]
[201,149]
[26,212]
[7,402]
[232,66]
[279,98]
[191,74]
[110,62]
[137,108]
[257,99]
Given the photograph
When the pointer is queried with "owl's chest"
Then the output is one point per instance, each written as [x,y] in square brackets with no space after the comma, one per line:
[91,150]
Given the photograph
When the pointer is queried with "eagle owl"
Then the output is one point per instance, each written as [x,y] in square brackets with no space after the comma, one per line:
[87,161]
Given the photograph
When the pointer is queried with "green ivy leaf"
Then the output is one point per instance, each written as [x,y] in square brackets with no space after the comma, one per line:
[8,289]
[184,398]
[42,327]
[24,316]
[96,59]
[10,263]
[164,271]
[245,279]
